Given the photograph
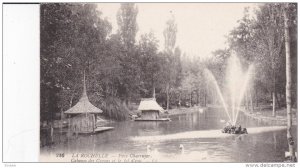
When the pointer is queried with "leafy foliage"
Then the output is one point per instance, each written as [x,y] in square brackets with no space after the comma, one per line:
[119,70]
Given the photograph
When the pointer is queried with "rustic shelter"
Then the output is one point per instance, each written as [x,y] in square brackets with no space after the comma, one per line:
[84,112]
[150,109]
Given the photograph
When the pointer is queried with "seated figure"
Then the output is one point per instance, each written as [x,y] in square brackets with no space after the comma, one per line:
[244,131]
[232,129]
[238,129]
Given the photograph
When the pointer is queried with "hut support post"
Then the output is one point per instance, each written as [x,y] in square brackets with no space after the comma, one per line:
[94,123]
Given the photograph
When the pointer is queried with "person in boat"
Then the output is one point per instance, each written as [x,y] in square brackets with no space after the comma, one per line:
[227,128]
[224,130]
[238,129]
[232,129]
[244,131]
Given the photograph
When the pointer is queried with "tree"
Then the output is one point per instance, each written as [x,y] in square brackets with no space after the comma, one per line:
[259,41]
[170,41]
[126,19]
[149,64]
[188,85]
[270,30]
[74,39]
[288,82]
[177,67]
[170,34]
[70,36]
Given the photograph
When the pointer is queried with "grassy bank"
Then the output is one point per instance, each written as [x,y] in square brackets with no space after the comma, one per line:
[264,113]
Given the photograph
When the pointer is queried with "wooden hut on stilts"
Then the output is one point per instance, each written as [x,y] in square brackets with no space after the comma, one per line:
[84,115]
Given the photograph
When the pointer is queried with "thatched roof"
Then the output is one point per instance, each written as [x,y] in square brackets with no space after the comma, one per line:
[149,104]
[83,105]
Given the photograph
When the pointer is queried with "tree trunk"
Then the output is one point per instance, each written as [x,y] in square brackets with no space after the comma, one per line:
[205,95]
[273,104]
[179,101]
[278,100]
[106,89]
[274,87]
[288,85]
[168,96]
[198,97]
[61,114]
[191,99]
[256,98]
[71,100]
[153,92]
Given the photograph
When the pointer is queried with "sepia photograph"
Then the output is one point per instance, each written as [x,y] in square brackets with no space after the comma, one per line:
[168,82]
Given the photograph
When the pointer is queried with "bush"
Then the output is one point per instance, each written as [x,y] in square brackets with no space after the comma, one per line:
[115,109]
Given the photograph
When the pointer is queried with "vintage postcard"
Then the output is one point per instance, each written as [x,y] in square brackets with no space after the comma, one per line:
[168,82]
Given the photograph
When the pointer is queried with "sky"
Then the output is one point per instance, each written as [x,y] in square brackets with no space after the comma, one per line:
[201,27]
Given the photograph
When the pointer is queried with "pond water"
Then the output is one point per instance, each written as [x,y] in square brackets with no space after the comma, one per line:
[264,147]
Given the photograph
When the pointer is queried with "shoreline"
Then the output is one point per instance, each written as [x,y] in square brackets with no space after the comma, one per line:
[183,110]
[279,119]
[259,114]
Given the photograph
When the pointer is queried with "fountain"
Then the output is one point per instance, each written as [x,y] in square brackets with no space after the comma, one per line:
[237,82]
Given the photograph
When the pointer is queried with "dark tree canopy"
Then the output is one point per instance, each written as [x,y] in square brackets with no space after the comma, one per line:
[121,70]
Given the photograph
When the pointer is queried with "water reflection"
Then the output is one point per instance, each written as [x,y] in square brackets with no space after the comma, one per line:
[267,147]
[149,128]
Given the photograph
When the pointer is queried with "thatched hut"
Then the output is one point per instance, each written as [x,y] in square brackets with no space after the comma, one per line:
[150,109]
[83,114]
